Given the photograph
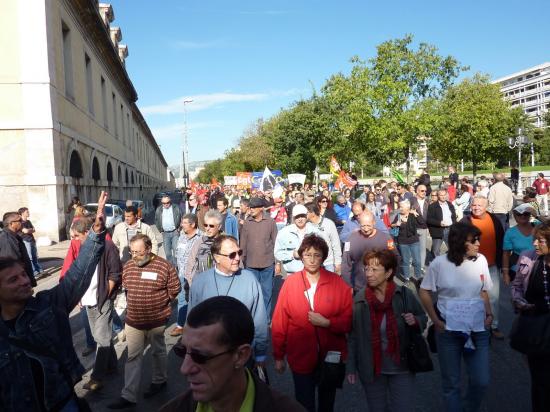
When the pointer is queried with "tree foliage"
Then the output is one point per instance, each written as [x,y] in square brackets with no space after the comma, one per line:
[474,123]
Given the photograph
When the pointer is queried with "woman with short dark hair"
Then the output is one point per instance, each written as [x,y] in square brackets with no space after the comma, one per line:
[382,315]
[313,311]
[463,314]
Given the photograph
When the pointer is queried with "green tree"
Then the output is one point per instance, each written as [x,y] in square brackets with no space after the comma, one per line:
[387,102]
[474,123]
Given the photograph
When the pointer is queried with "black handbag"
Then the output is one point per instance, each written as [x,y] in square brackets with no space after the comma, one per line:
[326,374]
[418,355]
[530,334]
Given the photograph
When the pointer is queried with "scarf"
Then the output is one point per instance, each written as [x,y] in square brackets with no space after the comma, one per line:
[377,311]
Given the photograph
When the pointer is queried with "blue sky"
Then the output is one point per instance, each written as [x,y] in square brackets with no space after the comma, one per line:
[243,60]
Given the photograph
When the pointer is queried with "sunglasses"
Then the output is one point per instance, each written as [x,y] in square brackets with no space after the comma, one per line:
[474,239]
[323,201]
[200,359]
[232,255]
[526,214]
[211,226]
[300,216]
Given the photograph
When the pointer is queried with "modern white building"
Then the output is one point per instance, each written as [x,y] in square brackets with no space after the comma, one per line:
[530,89]
[69,123]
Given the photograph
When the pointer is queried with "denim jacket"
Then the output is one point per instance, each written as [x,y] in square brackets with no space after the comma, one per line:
[44,324]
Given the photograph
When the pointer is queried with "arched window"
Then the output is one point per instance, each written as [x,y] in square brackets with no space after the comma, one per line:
[132,174]
[75,165]
[119,175]
[126,176]
[95,169]
[109,172]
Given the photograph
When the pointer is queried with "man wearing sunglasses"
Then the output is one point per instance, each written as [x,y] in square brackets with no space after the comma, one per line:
[215,346]
[227,279]
[12,246]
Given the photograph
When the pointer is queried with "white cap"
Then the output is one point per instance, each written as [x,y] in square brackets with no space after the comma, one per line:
[299,210]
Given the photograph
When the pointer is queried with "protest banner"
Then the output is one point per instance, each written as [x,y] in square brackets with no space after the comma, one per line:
[296,178]
[230,180]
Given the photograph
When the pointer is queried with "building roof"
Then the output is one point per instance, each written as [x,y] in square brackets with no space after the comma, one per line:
[521,73]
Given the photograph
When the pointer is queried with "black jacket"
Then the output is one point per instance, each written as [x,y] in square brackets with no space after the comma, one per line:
[499,236]
[12,246]
[109,268]
[435,216]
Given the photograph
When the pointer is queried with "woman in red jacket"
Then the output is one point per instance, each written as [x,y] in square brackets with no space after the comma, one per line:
[314,305]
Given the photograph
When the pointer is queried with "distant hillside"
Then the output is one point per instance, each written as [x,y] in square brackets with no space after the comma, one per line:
[175,169]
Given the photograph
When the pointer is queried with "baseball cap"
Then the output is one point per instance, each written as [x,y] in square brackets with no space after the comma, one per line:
[299,210]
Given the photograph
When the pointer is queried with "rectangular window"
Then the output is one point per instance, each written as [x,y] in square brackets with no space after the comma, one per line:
[115,117]
[89,84]
[67,61]
[123,134]
[104,103]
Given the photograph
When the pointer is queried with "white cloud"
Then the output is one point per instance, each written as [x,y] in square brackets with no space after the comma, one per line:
[202,102]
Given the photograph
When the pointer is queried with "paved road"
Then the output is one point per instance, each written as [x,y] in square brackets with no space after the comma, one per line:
[508,392]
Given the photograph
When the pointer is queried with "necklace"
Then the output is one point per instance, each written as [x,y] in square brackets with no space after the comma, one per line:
[216,283]
[545,283]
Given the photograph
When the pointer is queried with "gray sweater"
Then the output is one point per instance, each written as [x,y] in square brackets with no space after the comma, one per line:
[242,286]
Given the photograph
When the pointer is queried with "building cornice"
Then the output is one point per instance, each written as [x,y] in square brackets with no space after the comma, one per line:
[99,35]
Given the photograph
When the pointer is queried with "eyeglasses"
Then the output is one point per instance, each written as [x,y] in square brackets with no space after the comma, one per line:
[137,252]
[210,226]
[312,256]
[474,239]
[197,357]
[323,201]
[232,255]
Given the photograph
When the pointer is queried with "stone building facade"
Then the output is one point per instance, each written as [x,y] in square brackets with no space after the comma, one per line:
[69,123]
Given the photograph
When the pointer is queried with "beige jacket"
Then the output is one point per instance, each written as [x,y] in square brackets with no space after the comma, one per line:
[120,237]
[501,199]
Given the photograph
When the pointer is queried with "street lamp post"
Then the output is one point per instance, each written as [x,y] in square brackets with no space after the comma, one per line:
[518,141]
[184,169]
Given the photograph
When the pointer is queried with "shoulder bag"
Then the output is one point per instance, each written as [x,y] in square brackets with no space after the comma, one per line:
[418,355]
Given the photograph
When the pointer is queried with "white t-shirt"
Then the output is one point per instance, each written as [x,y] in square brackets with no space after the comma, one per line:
[310,294]
[90,297]
[457,282]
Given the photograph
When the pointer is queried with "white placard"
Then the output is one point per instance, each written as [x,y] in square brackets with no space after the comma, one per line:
[296,178]
[326,176]
[465,315]
[230,180]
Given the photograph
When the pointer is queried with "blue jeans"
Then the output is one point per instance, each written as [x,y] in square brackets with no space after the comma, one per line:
[265,278]
[118,324]
[33,256]
[90,342]
[408,253]
[450,348]
[182,303]
[170,243]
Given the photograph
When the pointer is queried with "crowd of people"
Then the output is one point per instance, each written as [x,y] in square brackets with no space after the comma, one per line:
[363,273]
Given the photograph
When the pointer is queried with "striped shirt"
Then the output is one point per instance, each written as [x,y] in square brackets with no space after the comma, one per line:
[149,290]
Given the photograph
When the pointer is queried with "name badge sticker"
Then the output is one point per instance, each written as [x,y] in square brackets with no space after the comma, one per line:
[149,275]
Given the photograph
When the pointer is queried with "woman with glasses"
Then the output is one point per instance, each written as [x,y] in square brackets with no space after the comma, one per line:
[310,323]
[382,313]
[325,207]
[531,297]
[517,240]
[462,316]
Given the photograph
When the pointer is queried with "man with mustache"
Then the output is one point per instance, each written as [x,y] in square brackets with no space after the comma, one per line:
[151,284]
